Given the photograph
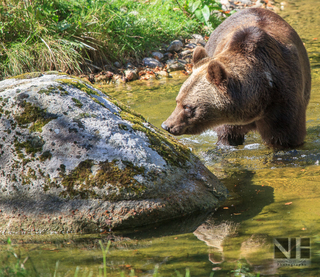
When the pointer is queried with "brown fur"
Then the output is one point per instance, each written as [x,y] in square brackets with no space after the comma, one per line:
[253,74]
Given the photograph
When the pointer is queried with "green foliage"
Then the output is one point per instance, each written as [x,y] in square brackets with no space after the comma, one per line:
[104,256]
[206,12]
[203,10]
[13,264]
[39,35]
[243,270]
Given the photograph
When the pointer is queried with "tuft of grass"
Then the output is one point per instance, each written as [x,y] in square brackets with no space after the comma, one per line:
[78,35]
[13,264]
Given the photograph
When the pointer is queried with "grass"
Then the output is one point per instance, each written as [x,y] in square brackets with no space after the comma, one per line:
[77,35]
[14,265]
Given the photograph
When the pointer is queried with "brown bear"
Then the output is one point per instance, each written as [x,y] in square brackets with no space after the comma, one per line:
[253,74]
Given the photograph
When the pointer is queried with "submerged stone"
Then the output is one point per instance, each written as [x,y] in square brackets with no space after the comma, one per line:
[74,160]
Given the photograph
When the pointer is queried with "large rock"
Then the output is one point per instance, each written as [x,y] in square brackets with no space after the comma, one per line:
[72,159]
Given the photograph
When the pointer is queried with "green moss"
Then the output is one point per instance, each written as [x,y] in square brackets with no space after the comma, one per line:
[27,179]
[78,121]
[45,155]
[123,127]
[48,90]
[85,115]
[173,152]
[78,103]
[32,145]
[98,102]
[81,181]
[35,115]
[127,109]
[79,85]
[28,75]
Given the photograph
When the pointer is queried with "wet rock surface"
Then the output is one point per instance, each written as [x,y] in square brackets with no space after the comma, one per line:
[74,160]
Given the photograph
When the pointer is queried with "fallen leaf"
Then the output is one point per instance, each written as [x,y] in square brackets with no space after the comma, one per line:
[226,208]
[288,203]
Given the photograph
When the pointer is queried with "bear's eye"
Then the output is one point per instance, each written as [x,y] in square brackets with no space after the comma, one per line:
[188,110]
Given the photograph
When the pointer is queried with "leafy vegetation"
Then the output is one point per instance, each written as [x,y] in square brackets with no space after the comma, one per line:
[202,10]
[12,264]
[77,35]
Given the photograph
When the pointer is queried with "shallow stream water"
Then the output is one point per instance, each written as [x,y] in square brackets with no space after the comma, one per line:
[272,195]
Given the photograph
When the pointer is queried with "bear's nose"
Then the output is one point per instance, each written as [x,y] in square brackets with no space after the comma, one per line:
[164,126]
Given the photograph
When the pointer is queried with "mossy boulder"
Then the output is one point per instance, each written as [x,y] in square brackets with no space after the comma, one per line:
[72,159]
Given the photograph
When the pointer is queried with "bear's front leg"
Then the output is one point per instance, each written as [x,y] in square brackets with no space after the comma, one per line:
[233,135]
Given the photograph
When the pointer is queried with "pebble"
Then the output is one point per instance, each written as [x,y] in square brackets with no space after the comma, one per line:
[129,65]
[151,62]
[175,46]
[245,2]
[131,74]
[191,45]
[157,55]
[174,65]
[196,36]
[258,4]
[186,52]
[117,64]
[198,41]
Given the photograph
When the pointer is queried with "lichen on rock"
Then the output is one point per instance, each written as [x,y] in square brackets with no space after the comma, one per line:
[67,146]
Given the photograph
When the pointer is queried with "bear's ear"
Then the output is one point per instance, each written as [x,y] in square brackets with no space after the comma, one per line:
[199,53]
[217,74]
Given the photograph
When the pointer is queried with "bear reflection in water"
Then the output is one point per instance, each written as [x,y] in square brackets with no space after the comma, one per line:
[253,74]
[255,251]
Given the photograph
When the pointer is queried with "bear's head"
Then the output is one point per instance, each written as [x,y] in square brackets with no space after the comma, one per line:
[203,100]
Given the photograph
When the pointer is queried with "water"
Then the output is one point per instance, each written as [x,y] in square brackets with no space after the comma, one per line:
[272,195]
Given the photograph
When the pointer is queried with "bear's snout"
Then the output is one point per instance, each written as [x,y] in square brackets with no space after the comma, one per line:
[164,126]
[173,129]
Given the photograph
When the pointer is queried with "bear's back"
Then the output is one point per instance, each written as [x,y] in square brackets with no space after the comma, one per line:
[272,24]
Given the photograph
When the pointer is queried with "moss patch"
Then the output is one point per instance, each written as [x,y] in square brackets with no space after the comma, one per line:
[77,102]
[28,75]
[53,89]
[98,102]
[80,182]
[127,109]
[35,115]
[32,145]
[45,155]
[79,85]
[173,152]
